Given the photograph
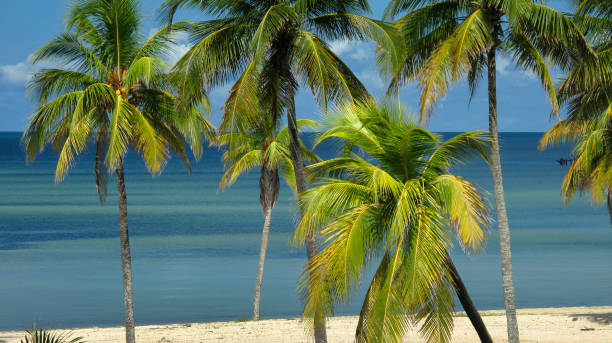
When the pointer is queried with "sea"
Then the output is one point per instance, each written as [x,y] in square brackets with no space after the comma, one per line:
[195,249]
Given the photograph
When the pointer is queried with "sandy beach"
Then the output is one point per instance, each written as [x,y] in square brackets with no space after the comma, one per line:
[546,325]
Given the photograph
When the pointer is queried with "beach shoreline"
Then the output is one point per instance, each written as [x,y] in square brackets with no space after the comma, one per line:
[542,325]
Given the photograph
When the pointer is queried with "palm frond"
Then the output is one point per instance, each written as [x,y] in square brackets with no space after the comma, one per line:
[46,123]
[452,59]
[142,71]
[246,162]
[67,48]
[47,83]
[421,31]
[36,335]
[81,124]
[322,71]
[153,146]
[272,22]
[120,132]
[221,50]
[159,44]
[465,207]
[244,96]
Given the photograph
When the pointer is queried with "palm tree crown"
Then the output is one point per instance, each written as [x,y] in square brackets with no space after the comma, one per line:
[113,88]
[442,51]
[401,203]
[265,147]
[271,47]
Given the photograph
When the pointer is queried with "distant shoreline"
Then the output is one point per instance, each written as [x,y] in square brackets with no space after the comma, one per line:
[543,325]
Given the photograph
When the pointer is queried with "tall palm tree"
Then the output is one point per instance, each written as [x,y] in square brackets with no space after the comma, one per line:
[444,41]
[586,93]
[112,90]
[274,46]
[265,147]
[399,208]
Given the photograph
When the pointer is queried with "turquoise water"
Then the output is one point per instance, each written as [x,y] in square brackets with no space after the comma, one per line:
[195,251]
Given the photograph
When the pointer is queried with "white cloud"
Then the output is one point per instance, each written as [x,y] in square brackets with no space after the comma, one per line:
[361,53]
[504,65]
[179,36]
[176,52]
[355,50]
[177,49]
[19,73]
[339,47]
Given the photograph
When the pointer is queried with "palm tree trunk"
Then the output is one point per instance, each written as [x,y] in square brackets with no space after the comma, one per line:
[502,216]
[610,204]
[262,259]
[468,305]
[126,258]
[312,245]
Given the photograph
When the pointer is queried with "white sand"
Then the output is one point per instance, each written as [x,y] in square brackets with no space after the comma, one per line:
[547,325]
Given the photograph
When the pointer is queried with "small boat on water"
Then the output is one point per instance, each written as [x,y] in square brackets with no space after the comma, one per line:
[563,162]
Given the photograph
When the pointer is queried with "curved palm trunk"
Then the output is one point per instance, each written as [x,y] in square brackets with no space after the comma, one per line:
[468,305]
[262,259]
[126,259]
[502,216]
[312,245]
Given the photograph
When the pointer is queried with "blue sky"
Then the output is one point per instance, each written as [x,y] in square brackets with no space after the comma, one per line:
[27,25]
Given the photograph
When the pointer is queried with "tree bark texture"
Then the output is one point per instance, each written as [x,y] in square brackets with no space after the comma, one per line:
[500,202]
[468,305]
[126,258]
[262,260]
[301,182]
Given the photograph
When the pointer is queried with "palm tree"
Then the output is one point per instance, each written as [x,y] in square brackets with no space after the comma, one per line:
[265,147]
[401,203]
[447,40]
[586,92]
[273,47]
[111,89]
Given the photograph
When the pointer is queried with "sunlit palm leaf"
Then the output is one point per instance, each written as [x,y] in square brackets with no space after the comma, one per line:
[452,59]
[120,132]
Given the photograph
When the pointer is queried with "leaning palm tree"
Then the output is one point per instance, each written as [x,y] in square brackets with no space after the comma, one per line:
[398,207]
[274,46]
[111,90]
[263,146]
[586,92]
[444,41]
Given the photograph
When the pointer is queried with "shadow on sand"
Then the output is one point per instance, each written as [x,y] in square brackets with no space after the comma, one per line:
[599,318]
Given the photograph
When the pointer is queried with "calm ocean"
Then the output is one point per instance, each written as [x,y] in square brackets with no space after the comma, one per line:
[195,251]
